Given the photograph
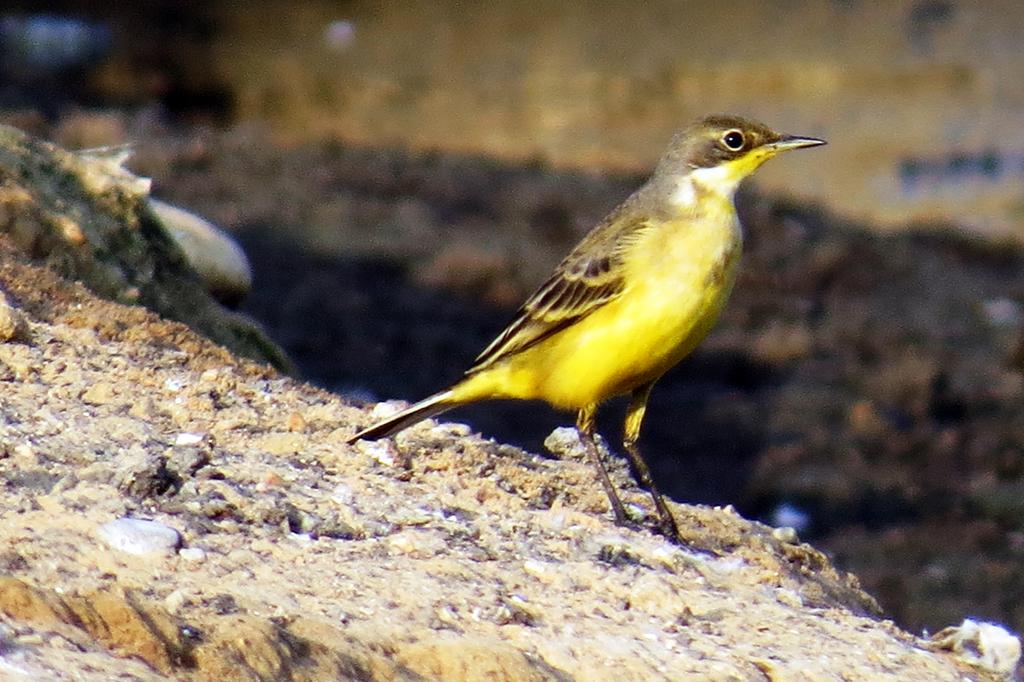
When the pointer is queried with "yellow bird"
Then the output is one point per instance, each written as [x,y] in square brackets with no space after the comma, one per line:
[632,299]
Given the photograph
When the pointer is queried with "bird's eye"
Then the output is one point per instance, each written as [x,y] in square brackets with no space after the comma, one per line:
[733,140]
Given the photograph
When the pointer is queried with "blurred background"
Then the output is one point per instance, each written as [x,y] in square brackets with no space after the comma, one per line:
[403,174]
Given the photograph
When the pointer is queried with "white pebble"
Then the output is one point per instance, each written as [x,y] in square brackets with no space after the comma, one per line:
[450,429]
[385,409]
[728,565]
[139,536]
[192,554]
[786,534]
[984,645]
[383,451]
[174,384]
[540,570]
[563,442]
[186,439]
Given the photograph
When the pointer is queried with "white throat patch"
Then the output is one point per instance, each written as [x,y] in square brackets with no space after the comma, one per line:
[722,180]
[685,194]
[719,180]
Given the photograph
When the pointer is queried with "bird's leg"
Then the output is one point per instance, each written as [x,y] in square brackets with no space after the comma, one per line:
[585,427]
[631,433]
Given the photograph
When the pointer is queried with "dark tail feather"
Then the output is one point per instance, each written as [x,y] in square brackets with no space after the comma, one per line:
[424,409]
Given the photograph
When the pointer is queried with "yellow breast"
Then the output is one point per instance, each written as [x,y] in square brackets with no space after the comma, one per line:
[678,276]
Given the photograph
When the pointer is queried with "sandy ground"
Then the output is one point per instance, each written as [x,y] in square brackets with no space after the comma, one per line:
[870,384]
[873,384]
[440,556]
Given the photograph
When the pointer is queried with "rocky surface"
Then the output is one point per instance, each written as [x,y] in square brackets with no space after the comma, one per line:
[873,384]
[869,387]
[439,556]
[86,216]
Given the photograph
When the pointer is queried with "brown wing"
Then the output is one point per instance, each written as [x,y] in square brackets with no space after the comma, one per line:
[588,278]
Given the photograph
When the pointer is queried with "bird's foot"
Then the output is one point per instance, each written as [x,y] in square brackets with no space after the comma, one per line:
[635,518]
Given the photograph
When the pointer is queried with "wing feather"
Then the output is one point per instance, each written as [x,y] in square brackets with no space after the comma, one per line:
[590,277]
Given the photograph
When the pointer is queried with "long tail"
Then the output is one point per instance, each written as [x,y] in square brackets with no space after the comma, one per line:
[428,407]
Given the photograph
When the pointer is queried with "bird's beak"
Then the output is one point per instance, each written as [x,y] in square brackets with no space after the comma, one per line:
[787,142]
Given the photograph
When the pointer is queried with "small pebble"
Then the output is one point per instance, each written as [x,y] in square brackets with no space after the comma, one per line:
[386,409]
[271,480]
[140,537]
[786,534]
[186,439]
[383,451]
[563,442]
[174,384]
[451,429]
[447,615]
[192,554]
[296,422]
[71,230]
[219,261]
[175,601]
[539,570]
[12,324]
[987,646]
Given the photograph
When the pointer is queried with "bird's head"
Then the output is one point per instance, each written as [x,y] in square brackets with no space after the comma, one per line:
[719,151]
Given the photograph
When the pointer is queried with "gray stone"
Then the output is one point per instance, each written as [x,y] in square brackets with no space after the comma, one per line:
[140,536]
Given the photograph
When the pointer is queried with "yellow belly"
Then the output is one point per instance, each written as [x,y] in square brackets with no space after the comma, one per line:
[678,280]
